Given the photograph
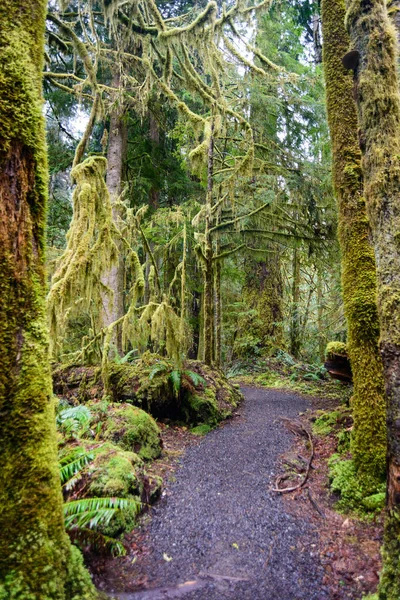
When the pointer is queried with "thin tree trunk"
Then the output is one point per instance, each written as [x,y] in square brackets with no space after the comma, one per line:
[320,317]
[217,313]
[374,62]
[36,557]
[113,298]
[154,135]
[208,340]
[295,319]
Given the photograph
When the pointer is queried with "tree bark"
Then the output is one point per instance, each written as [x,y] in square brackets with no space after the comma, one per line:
[208,271]
[376,89]
[358,262]
[113,298]
[295,316]
[36,557]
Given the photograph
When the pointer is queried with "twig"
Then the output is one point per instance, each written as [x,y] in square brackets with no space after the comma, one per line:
[299,485]
[315,505]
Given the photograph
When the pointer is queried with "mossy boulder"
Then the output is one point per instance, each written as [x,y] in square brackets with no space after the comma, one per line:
[115,472]
[204,395]
[132,429]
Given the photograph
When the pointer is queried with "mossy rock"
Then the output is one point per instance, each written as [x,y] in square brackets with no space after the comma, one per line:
[336,348]
[115,472]
[209,399]
[130,428]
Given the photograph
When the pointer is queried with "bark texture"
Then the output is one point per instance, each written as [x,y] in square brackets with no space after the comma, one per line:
[358,261]
[36,557]
[113,301]
[374,41]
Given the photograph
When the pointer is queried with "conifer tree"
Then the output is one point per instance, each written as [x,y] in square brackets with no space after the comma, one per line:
[36,557]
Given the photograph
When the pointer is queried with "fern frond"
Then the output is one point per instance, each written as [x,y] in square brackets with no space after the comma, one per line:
[160,367]
[75,465]
[176,377]
[97,541]
[195,378]
[92,512]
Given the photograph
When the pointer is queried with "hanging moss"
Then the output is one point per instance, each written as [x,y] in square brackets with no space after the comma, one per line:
[36,558]
[368,443]
[90,252]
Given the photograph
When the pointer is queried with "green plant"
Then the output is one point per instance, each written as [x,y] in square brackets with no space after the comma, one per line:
[73,464]
[75,421]
[83,517]
[177,376]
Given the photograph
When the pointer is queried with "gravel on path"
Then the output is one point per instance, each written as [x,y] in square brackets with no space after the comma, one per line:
[220,533]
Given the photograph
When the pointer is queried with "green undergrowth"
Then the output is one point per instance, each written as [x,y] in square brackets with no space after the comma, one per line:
[193,394]
[108,436]
[283,372]
[356,494]
[201,430]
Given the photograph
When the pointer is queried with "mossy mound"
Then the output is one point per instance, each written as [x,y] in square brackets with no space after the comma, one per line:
[130,428]
[115,472]
[357,494]
[336,349]
[195,393]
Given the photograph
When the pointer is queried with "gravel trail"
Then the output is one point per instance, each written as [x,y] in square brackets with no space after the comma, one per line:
[228,536]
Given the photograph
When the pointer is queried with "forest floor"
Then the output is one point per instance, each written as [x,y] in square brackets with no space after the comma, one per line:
[219,531]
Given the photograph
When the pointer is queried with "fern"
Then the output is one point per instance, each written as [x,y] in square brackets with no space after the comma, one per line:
[74,421]
[97,541]
[158,368]
[195,378]
[128,357]
[176,378]
[73,464]
[93,512]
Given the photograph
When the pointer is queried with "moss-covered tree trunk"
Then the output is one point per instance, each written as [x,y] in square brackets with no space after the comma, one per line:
[358,262]
[37,560]
[376,87]
[263,293]
[113,297]
[207,263]
[294,332]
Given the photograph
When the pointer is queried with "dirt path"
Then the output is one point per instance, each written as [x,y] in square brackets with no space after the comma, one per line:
[219,533]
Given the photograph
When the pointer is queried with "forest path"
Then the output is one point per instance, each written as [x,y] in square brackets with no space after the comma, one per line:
[220,533]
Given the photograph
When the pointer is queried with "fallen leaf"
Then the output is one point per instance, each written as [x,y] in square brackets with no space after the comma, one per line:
[166,557]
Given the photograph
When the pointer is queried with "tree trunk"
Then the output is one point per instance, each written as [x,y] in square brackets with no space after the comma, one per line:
[36,557]
[217,314]
[113,299]
[320,317]
[295,314]
[154,135]
[208,271]
[358,264]
[263,292]
[374,61]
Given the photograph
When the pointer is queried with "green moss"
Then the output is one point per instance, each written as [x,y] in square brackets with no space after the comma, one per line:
[357,494]
[324,424]
[36,558]
[375,502]
[115,472]
[336,348]
[368,443]
[132,429]
[389,584]
[201,429]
